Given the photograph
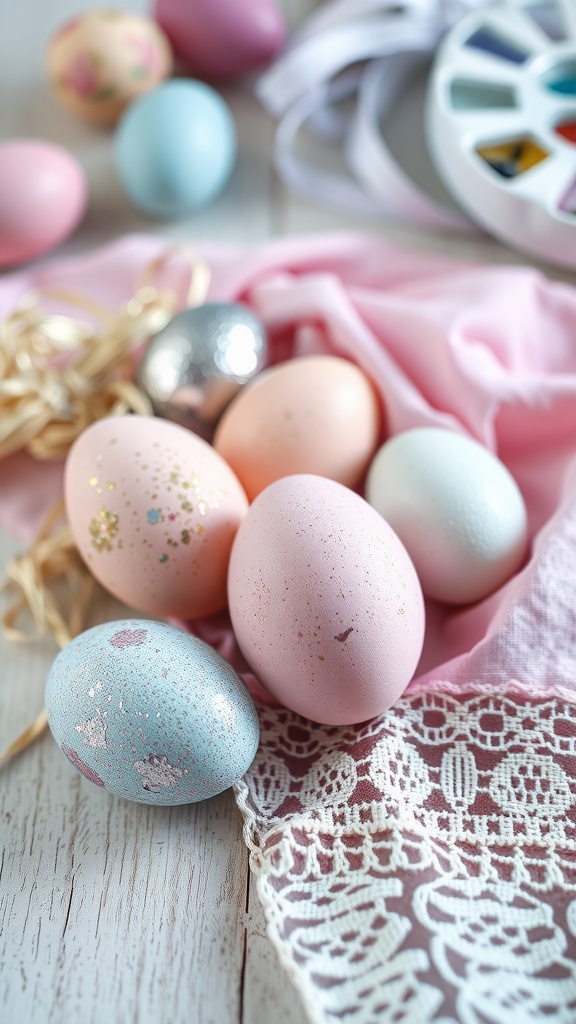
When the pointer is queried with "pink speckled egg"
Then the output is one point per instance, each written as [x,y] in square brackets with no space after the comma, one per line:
[317,414]
[153,510]
[325,602]
[42,198]
[102,60]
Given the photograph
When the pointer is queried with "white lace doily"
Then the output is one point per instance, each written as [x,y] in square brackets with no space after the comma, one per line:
[422,867]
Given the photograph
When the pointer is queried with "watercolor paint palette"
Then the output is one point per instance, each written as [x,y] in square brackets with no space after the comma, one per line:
[501,120]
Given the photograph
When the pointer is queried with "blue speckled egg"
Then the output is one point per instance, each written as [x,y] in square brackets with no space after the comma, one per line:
[151,713]
[175,148]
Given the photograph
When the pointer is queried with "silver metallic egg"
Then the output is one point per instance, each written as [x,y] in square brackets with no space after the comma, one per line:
[195,365]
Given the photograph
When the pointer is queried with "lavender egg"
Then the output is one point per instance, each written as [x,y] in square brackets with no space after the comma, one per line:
[151,713]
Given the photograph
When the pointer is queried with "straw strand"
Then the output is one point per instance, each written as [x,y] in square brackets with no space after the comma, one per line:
[58,374]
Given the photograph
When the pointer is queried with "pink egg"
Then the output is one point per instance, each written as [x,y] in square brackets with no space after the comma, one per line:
[325,602]
[42,198]
[153,510]
[222,38]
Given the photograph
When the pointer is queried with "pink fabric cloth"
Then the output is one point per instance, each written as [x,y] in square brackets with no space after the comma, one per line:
[486,350]
[420,864]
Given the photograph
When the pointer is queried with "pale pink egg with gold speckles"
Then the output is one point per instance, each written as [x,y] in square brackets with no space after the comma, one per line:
[101,61]
[325,601]
[154,511]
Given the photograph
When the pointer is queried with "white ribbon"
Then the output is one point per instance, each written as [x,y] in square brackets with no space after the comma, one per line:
[362,50]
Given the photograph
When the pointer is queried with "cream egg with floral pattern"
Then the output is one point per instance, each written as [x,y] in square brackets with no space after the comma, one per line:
[99,62]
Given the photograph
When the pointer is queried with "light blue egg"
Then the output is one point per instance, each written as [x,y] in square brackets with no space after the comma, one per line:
[151,713]
[175,148]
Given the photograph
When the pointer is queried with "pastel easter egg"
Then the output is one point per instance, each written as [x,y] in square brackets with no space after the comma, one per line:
[325,602]
[175,148]
[153,510]
[317,414]
[222,38]
[43,196]
[456,508]
[101,61]
[151,713]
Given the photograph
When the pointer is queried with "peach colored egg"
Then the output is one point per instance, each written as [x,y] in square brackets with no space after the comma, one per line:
[153,510]
[317,414]
[102,60]
[325,602]
[42,198]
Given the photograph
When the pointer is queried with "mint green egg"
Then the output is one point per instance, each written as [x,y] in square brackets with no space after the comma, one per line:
[151,713]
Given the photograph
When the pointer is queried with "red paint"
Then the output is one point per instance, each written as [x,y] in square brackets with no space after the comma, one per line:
[567,130]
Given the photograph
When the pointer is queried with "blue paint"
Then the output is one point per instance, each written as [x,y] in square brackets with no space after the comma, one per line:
[564,86]
[154,516]
[484,39]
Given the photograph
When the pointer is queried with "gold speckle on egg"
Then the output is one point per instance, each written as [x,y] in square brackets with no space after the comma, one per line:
[103,528]
[93,481]
[200,529]
[185,536]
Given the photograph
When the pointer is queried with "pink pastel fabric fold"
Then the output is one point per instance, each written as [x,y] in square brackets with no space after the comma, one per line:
[490,351]
[420,865]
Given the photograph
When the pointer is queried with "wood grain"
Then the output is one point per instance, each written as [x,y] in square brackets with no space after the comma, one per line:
[112,912]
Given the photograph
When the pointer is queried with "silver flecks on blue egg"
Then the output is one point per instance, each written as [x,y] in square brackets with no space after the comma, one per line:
[151,713]
[195,365]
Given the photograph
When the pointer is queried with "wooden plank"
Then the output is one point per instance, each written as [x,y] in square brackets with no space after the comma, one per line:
[110,911]
[117,912]
[269,997]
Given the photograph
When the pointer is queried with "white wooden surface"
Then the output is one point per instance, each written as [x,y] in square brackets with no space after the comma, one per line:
[110,912]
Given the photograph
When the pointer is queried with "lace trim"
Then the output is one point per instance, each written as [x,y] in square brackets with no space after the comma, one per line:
[420,867]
